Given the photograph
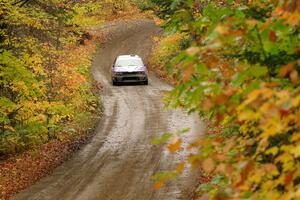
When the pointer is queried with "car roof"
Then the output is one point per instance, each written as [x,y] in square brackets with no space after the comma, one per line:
[128,57]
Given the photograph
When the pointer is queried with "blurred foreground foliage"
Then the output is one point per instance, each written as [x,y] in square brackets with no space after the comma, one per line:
[240,69]
[46,91]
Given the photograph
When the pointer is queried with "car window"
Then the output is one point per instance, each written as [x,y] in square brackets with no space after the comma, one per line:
[129,62]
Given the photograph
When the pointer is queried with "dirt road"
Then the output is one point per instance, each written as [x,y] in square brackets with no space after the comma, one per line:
[119,161]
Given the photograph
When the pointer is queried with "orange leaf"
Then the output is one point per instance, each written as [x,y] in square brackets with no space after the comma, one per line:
[221,168]
[271,84]
[188,73]
[285,70]
[246,171]
[208,165]
[294,76]
[251,22]
[212,62]
[207,104]
[229,170]
[158,185]
[229,91]
[195,162]
[175,145]
[284,112]
[288,178]
[272,36]
[221,99]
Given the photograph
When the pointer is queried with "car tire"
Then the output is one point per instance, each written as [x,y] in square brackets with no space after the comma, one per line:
[115,83]
[146,82]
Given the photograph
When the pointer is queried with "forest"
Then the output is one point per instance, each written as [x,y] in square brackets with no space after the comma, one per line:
[235,64]
[46,91]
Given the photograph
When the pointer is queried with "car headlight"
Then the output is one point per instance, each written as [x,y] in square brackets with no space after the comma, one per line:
[117,73]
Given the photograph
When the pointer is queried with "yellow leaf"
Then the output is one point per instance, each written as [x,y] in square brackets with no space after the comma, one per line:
[251,97]
[222,30]
[295,137]
[273,127]
[257,177]
[296,151]
[180,167]
[284,158]
[296,101]
[7,127]
[273,194]
[288,162]
[268,185]
[271,169]
[272,151]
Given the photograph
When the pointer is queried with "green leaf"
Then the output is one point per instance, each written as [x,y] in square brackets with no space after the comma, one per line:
[165,137]
[205,187]
[258,71]
[239,79]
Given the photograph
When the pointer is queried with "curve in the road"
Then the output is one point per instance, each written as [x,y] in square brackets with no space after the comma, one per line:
[119,161]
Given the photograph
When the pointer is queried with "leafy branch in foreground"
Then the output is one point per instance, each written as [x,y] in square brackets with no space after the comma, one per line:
[241,70]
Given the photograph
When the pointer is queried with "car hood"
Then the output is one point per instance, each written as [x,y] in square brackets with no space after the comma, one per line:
[130,69]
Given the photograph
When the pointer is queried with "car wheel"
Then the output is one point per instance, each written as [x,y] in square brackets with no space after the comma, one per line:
[115,83]
[146,82]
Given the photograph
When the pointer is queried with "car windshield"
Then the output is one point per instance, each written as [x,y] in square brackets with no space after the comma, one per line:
[129,62]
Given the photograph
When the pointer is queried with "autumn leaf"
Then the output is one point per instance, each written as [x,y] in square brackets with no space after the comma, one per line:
[221,99]
[288,178]
[251,22]
[188,73]
[159,185]
[247,170]
[7,127]
[223,30]
[207,104]
[175,145]
[272,36]
[192,51]
[180,167]
[294,76]
[285,70]
[208,165]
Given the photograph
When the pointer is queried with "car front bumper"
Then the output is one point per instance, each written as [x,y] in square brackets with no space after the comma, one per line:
[130,77]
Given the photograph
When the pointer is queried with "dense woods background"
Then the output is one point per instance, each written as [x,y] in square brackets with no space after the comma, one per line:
[45,86]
